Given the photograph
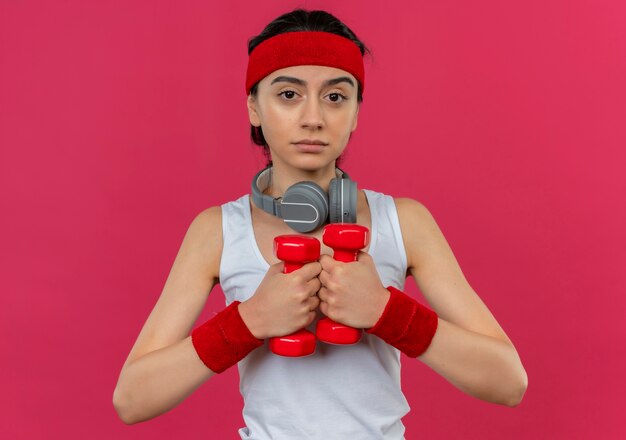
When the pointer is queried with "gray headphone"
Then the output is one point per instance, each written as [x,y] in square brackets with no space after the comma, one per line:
[305,206]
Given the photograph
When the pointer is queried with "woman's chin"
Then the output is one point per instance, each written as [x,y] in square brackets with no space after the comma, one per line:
[313,164]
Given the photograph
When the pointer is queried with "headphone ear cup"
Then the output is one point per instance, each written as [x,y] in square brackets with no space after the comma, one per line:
[342,200]
[305,206]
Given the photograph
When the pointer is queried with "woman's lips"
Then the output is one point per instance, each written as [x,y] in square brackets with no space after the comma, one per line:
[310,148]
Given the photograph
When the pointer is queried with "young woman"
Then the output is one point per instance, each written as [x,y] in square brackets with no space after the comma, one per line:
[304,82]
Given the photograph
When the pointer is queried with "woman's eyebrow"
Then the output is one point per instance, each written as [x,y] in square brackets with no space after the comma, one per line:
[329,82]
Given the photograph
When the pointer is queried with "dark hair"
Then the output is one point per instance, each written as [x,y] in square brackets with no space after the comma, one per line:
[295,21]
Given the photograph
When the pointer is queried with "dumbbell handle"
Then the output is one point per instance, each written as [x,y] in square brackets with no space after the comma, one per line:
[291,266]
[345,255]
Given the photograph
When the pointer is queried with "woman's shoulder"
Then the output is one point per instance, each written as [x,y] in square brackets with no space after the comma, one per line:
[409,210]
[418,227]
[405,205]
[414,213]
[208,217]
[206,232]
[410,207]
[207,224]
[204,238]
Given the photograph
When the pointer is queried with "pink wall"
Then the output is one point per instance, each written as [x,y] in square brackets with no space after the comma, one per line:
[120,121]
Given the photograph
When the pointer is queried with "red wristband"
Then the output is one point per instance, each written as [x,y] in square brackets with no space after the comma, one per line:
[224,340]
[406,324]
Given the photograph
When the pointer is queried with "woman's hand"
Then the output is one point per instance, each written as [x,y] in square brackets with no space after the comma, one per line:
[283,303]
[352,293]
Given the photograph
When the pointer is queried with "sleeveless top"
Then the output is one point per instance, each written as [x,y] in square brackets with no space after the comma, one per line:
[340,391]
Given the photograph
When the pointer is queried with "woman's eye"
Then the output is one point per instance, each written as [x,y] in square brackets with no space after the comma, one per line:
[287,94]
[337,97]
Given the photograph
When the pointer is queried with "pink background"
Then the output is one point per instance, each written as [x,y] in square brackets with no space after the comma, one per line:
[120,121]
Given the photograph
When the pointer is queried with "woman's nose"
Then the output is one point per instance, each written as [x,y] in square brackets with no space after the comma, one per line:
[312,116]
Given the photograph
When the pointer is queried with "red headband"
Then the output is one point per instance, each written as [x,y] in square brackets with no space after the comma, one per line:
[304,48]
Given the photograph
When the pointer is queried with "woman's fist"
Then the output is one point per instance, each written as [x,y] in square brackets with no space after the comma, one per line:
[352,293]
[283,303]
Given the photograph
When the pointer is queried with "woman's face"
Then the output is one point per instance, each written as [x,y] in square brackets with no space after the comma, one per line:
[305,103]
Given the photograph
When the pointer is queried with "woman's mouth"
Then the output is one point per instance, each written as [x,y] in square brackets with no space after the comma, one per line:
[310,145]
[309,148]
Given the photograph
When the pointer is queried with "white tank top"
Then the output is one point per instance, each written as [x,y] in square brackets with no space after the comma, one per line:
[339,392]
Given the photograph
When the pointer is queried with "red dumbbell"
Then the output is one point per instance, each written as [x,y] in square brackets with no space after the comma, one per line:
[346,239]
[295,251]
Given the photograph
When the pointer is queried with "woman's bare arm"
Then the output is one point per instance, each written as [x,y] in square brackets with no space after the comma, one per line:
[163,367]
[469,349]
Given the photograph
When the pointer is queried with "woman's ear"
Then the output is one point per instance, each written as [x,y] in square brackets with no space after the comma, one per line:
[253,111]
